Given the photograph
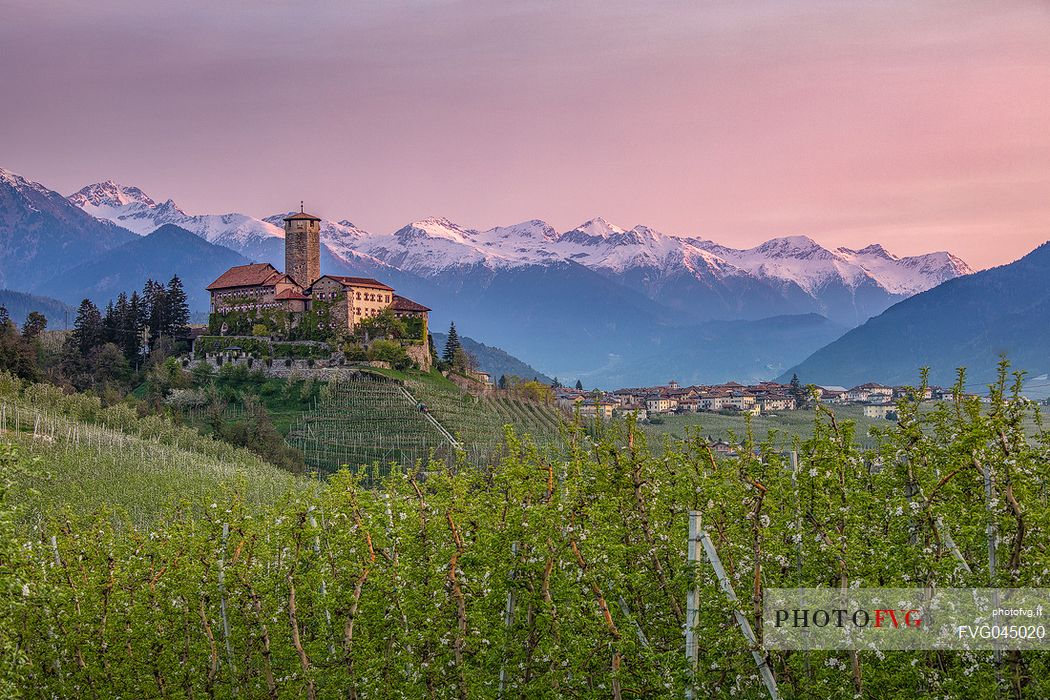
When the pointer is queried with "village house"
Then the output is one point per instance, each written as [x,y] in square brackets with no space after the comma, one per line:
[881,411]
[739,401]
[712,401]
[598,407]
[903,392]
[660,403]
[261,287]
[635,409]
[722,447]
[831,396]
[775,402]
[870,392]
[689,404]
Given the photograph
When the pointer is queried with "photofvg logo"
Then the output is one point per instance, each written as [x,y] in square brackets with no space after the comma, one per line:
[906,618]
[841,617]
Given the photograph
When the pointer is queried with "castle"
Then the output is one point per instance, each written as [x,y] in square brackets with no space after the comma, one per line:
[261,287]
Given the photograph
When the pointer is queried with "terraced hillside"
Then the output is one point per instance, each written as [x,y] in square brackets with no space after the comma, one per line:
[371,418]
[478,422]
[366,419]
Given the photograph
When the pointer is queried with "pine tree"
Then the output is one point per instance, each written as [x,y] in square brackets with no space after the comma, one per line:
[452,344]
[579,385]
[555,384]
[178,310]
[34,325]
[502,383]
[155,310]
[110,324]
[88,332]
[17,355]
[131,327]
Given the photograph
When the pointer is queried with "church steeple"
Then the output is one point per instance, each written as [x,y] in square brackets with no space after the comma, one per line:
[302,246]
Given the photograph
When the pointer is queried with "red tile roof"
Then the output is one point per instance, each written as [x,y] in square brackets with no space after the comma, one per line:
[401,303]
[254,275]
[291,294]
[360,282]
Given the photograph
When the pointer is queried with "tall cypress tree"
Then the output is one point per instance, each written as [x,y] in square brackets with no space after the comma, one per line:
[452,344]
[579,385]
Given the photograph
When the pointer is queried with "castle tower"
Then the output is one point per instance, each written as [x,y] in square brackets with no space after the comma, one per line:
[302,247]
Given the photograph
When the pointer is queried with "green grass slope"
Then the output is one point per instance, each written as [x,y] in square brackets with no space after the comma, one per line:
[88,458]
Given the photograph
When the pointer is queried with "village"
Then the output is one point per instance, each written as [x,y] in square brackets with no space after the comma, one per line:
[766,398]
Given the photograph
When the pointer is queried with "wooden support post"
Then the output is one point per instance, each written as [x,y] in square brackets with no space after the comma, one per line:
[727,587]
[508,618]
[992,533]
[222,608]
[691,602]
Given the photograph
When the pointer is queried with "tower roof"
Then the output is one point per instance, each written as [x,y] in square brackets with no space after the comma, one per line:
[302,215]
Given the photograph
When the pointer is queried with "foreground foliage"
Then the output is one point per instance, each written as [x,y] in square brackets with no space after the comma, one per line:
[553,575]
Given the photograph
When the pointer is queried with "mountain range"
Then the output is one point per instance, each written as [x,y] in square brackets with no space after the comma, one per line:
[597,302]
[967,322]
[40,233]
[696,278]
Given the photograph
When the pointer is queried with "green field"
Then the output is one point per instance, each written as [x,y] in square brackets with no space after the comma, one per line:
[781,429]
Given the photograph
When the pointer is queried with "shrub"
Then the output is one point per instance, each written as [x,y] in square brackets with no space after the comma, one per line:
[389,351]
[355,352]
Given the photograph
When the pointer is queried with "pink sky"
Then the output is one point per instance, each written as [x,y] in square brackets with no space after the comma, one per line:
[920,125]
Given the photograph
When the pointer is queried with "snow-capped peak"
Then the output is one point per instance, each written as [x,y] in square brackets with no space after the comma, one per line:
[435,227]
[133,209]
[10,178]
[534,232]
[110,194]
[791,247]
[599,228]
[18,182]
